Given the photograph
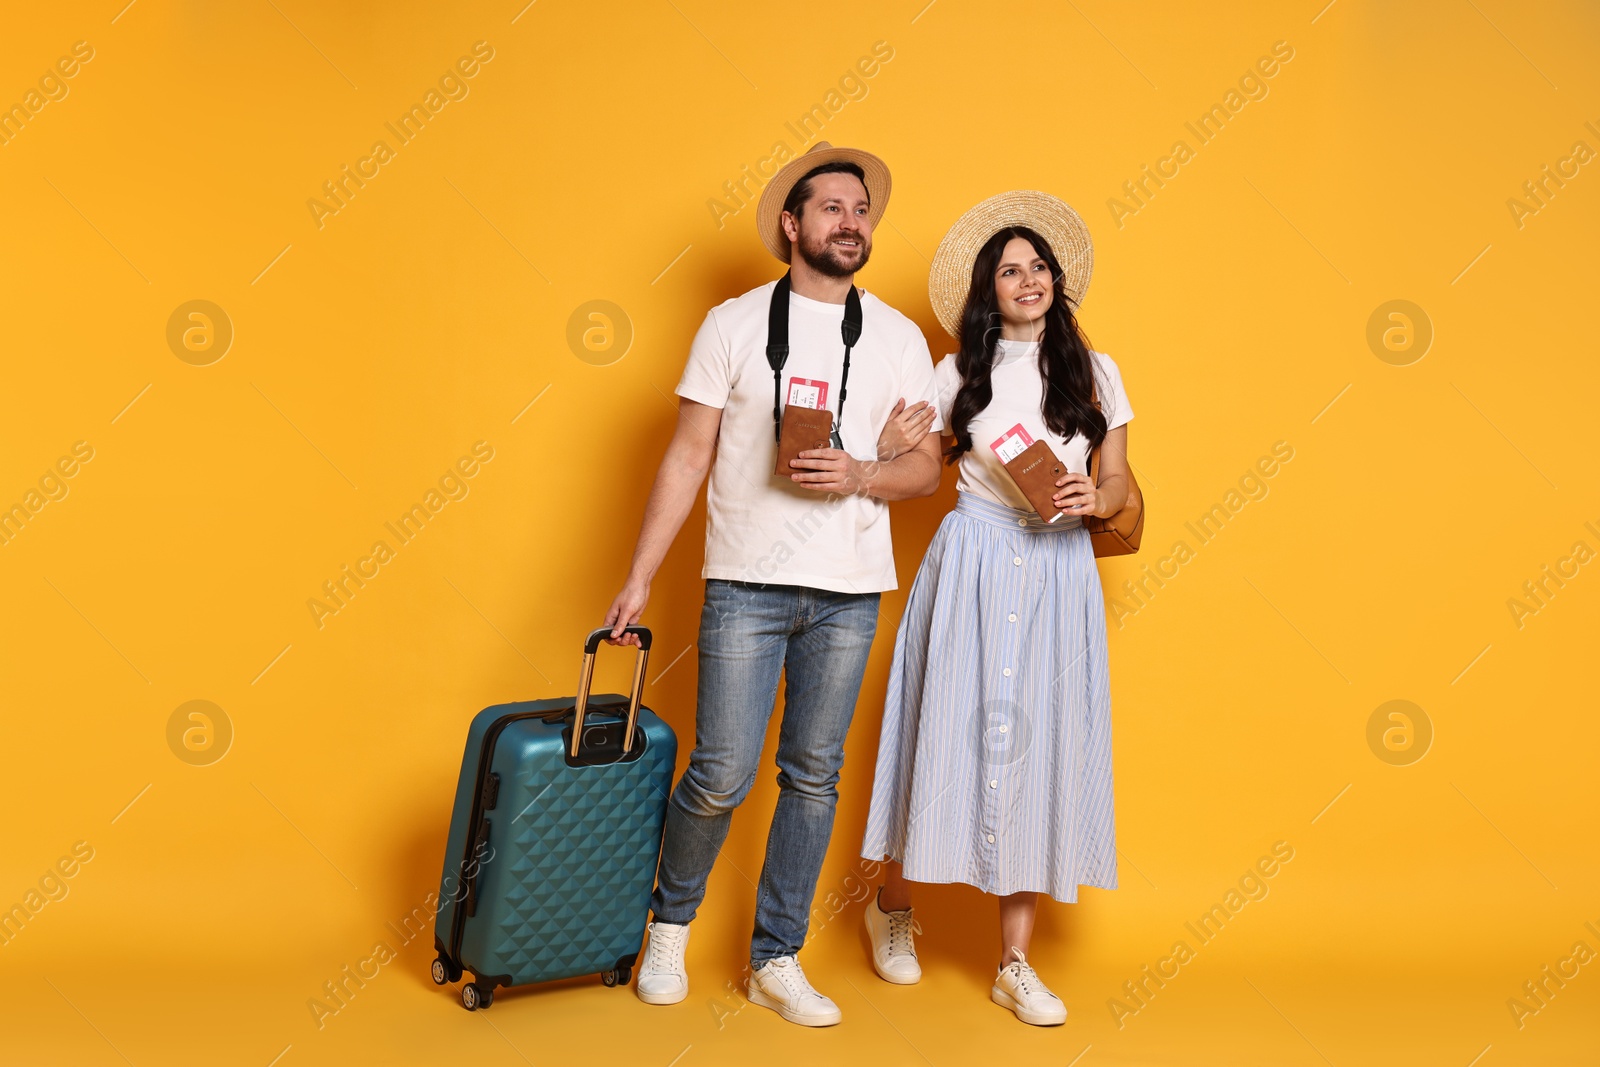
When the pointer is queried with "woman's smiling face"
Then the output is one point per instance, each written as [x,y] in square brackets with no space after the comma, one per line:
[1023,287]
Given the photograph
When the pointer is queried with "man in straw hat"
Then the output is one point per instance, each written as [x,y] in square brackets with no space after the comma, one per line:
[795,561]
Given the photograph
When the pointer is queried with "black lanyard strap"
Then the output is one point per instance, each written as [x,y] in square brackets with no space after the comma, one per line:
[778,351]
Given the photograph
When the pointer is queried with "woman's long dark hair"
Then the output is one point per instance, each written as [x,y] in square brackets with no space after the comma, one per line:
[1064,360]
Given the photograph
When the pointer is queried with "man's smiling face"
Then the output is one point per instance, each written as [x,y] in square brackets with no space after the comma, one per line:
[832,232]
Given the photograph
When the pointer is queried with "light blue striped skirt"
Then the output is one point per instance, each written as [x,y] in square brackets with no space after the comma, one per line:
[994,765]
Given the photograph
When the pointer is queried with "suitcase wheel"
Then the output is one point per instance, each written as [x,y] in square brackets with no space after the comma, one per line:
[616,976]
[444,971]
[475,996]
[609,977]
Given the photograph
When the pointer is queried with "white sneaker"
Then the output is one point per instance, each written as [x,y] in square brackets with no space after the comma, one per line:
[1017,987]
[782,986]
[893,955]
[662,978]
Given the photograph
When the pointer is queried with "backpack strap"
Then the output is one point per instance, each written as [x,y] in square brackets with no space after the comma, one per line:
[1094,453]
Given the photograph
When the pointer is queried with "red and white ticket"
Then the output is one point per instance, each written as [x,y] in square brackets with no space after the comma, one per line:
[806,393]
[1011,443]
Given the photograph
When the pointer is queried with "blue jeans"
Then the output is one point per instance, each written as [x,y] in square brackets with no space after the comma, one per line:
[748,632]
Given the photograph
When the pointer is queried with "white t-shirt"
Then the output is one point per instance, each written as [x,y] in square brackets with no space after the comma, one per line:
[762,527]
[1019,400]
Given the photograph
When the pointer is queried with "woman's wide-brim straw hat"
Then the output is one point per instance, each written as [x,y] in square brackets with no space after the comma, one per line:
[769,212]
[951,276]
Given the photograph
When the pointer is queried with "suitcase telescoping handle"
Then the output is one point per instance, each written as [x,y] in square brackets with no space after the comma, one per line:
[591,645]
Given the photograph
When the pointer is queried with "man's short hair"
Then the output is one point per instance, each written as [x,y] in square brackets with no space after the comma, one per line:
[794,203]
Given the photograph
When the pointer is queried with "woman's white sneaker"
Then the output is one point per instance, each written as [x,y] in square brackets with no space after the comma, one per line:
[662,978]
[1018,987]
[782,986]
[894,956]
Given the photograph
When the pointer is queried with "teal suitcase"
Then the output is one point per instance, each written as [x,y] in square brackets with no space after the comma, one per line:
[554,838]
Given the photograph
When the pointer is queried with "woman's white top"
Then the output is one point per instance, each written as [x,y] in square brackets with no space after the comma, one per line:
[1018,401]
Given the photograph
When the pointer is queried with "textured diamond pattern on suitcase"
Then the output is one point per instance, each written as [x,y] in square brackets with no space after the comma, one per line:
[584,864]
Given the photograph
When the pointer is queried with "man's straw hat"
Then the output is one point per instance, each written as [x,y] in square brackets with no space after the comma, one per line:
[950,279]
[769,211]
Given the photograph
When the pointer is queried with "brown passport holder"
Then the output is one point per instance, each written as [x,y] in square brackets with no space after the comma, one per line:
[1035,470]
[803,428]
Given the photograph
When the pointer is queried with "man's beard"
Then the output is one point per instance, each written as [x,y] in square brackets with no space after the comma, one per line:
[824,258]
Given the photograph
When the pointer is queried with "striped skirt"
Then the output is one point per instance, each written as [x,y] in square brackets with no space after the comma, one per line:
[994,765]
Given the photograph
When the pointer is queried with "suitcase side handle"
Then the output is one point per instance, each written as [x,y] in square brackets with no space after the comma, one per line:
[580,703]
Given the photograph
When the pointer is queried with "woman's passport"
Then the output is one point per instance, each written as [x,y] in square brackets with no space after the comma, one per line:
[1033,467]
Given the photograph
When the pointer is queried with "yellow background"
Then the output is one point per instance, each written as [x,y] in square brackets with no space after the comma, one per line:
[430,311]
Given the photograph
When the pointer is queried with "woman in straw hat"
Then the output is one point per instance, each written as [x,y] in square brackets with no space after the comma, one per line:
[994,765]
